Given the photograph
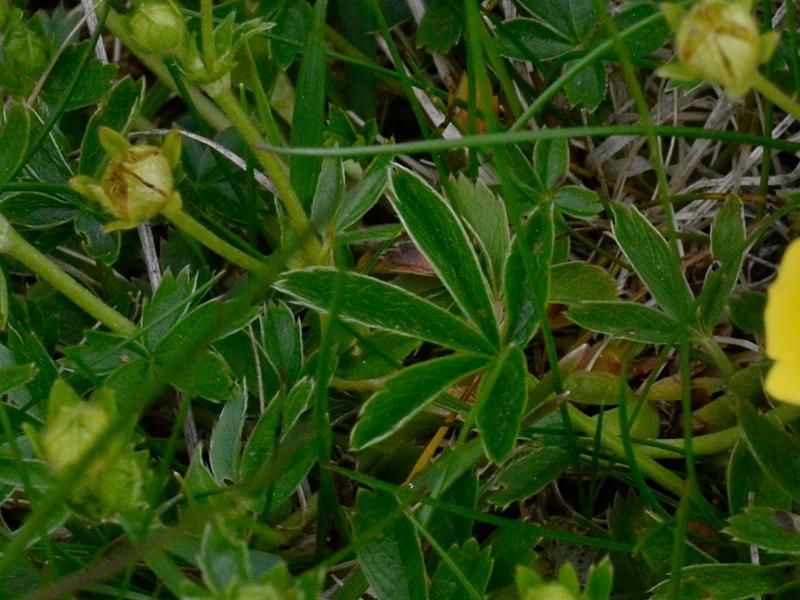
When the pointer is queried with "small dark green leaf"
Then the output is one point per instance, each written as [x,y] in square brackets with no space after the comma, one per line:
[574,282]
[226,438]
[522,314]
[330,186]
[94,83]
[406,394]
[16,131]
[588,87]
[166,307]
[293,22]
[283,341]
[388,548]
[485,215]
[13,377]
[98,243]
[208,377]
[374,303]
[501,402]
[626,320]
[745,477]
[593,387]
[727,248]
[550,161]
[776,451]
[571,18]
[37,210]
[117,112]
[578,201]
[308,121]
[773,530]
[526,475]
[438,233]
[357,201]
[599,581]
[223,558]
[441,26]
[747,311]
[650,256]
[527,39]
[475,565]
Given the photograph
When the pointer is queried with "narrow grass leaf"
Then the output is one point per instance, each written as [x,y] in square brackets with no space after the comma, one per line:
[406,394]
[308,122]
[390,557]
[501,402]
[435,228]
[625,320]
[375,303]
[651,258]
[776,451]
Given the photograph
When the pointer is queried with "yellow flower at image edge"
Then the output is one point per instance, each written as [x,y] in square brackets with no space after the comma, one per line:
[782,323]
[718,41]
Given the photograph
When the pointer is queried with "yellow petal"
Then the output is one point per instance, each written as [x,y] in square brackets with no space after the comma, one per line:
[783,381]
[782,315]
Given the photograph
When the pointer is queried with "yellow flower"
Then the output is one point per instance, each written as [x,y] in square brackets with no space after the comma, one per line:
[718,41]
[782,322]
[137,183]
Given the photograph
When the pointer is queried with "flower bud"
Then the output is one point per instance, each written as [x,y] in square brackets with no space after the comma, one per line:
[73,425]
[25,51]
[158,27]
[718,41]
[137,183]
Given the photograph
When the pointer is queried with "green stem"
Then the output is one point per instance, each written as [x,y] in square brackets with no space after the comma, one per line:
[613,442]
[719,441]
[273,168]
[721,360]
[207,33]
[181,219]
[773,93]
[15,245]
[212,115]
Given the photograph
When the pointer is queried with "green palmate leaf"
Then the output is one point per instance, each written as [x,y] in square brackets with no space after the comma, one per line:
[117,113]
[166,307]
[16,132]
[651,258]
[526,475]
[550,161]
[724,582]
[768,528]
[377,304]
[475,565]
[226,438]
[569,18]
[522,314]
[209,377]
[438,233]
[485,215]
[388,548]
[357,201]
[626,320]
[776,451]
[745,478]
[747,311]
[441,26]
[330,186]
[94,83]
[574,282]
[283,341]
[407,393]
[727,248]
[587,88]
[528,39]
[501,402]
[309,111]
